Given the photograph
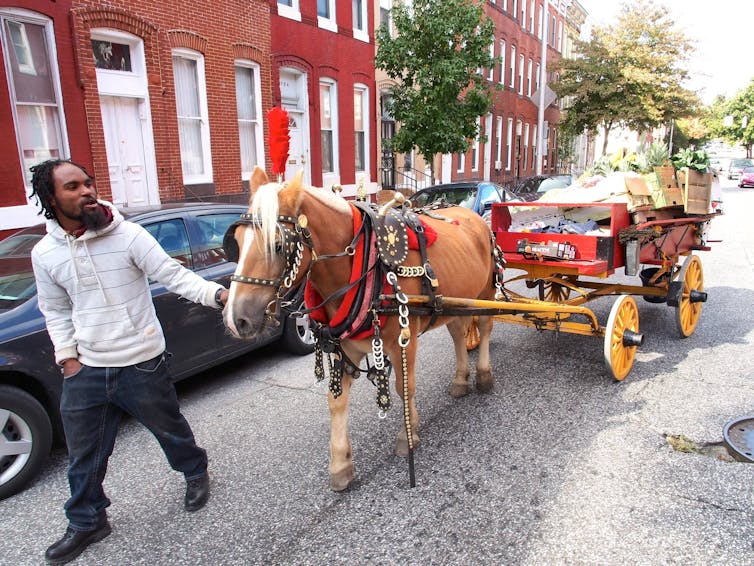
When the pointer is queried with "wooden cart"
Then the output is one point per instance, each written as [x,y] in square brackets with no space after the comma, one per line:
[568,270]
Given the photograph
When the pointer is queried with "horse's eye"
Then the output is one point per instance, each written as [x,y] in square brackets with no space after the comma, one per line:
[278,247]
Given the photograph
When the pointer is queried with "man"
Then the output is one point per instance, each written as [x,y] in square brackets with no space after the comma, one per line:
[92,271]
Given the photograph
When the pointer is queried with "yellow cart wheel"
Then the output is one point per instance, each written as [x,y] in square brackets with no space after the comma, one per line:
[689,305]
[472,335]
[553,292]
[622,337]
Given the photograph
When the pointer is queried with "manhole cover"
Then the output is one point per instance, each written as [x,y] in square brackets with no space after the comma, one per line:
[738,436]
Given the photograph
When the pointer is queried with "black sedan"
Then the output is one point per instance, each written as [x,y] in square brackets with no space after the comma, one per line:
[532,188]
[475,195]
[31,382]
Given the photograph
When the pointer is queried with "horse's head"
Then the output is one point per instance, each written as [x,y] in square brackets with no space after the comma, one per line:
[271,244]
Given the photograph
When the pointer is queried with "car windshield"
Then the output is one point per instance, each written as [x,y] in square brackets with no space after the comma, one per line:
[741,163]
[553,183]
[749,170]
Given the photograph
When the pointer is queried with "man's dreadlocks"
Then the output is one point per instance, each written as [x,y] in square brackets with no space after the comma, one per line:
[43,186]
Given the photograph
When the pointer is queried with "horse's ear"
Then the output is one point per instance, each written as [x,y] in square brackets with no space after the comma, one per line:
[258,178]
[293,193]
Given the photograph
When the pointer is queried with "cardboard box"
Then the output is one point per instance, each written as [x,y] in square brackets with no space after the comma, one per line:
[638,195]
[697,192]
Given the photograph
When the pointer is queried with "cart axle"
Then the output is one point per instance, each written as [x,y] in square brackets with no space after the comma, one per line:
[697,297]
[631,338]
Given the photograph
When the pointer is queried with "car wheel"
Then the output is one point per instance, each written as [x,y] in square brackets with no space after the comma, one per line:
[25,439]
[298,337]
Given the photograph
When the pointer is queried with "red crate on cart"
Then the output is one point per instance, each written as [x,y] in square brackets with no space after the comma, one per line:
[594,254]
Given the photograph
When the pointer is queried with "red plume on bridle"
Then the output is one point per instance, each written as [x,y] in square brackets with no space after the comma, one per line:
[279,140]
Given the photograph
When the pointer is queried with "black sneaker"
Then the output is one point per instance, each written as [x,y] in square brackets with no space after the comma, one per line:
[75,542]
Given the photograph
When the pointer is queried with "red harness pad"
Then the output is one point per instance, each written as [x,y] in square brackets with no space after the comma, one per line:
[429,233]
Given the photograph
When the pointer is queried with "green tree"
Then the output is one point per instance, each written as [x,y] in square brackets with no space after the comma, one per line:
[630,74]
[435,55]
[733,119]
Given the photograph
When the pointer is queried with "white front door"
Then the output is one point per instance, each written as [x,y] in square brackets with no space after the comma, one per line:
[124,142]
[297,158]
[295,99]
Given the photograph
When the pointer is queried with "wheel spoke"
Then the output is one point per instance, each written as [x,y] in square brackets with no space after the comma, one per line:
[14,447]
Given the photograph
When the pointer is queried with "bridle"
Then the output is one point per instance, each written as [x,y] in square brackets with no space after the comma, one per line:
[291,250]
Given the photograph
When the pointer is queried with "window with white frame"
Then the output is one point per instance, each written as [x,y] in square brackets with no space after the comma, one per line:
[559,46]
[540,30]
[534,144]
[361,127]
[532,8]
[475,147]
[461,162]
[553,31]
[521,74]
[523,14]
[289,9]
[498,141]
[526,146]
[529,71]
[29,54]
[491,72]
[505,5]
[360,30]
[193,122]
[326,15]
[328,118]
[509,140]
[514,11]
[386,7]
[249,110]
[512,82]
[501,61]
[536,77]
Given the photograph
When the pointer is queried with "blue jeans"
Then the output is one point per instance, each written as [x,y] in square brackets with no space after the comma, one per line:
[92,404]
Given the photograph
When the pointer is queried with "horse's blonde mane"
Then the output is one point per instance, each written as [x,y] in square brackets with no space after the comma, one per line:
[264,206]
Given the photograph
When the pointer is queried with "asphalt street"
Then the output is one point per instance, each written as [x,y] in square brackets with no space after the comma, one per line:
[558,465]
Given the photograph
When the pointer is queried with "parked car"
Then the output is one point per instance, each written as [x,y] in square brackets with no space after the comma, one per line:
[738,165]
[475,195]
[747,177]
[31,382]
[532,188]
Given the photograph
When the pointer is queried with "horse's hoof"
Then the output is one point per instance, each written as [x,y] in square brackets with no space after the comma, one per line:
[341,480]
[484,381]
[401,446]
[459,389]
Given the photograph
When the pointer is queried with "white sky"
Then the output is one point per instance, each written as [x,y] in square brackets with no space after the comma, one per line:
[724,58]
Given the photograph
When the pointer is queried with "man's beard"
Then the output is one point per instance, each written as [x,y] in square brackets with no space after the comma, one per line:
[94,219]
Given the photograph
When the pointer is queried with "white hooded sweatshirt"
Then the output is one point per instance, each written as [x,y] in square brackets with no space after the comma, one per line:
[94,294]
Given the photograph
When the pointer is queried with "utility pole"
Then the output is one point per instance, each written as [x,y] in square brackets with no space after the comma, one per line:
[542,88]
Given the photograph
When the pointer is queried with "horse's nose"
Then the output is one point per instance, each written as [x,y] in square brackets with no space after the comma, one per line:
[247,328]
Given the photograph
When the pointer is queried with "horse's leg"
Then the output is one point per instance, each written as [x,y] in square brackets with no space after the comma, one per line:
[401,441]
[460,385]
[484,380]
[341,461]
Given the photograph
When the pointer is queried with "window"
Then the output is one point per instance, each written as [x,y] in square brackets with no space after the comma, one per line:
[523,14]
[385,13]
[528,77]
[541,37]
[173,238]
[509,140]
[289,9]
[111,56]
[536,78]
[361,126]
[360,30]
[512,82]
[502,62]
[521,74]
[28,49]
[534,145]
[514,11]
[193,123]
[209,245]
[531,17]
[326,15]
[328,108]
[491,72]
[475,148]
[553,31]
[498,140]
[248,108]
[526,146]
[461,162]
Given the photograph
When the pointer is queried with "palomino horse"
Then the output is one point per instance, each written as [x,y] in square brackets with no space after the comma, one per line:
[292,230]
